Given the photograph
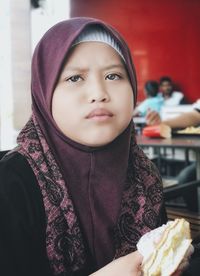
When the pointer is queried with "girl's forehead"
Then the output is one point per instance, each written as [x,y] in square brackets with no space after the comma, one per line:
[93,52]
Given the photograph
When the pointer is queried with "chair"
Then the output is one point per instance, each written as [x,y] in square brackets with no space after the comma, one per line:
[180,190]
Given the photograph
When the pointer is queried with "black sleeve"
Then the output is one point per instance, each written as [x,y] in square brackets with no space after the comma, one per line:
[22,221]
[163,215]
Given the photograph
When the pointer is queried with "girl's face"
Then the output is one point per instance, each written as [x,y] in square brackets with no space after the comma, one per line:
[93,100]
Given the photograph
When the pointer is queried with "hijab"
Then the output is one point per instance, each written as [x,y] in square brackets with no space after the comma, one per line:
[98,201]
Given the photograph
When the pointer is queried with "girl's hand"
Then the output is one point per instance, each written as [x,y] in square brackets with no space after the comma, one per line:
[129,265]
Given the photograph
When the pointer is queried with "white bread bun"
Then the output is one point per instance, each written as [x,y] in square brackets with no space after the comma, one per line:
[164,248]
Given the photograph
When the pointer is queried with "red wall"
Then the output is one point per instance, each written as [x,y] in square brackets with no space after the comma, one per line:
[163,35]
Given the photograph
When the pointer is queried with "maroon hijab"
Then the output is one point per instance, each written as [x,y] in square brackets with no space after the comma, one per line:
[98,201]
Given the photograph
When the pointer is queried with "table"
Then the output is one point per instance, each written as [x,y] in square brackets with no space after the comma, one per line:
[192,143]
[189,142]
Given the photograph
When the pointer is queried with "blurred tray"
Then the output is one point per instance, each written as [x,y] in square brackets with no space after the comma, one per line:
[175,133]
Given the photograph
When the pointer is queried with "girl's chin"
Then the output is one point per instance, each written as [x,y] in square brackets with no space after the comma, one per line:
[98,142]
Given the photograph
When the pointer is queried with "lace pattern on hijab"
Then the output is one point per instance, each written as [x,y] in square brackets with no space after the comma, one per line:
[141,203]
[140,208]
[63,238]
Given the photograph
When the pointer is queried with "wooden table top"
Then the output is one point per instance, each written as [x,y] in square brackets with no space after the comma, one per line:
[189,142]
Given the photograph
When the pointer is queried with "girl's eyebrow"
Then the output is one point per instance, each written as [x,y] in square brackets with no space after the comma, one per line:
[78,68]
[74,68]
[112,66]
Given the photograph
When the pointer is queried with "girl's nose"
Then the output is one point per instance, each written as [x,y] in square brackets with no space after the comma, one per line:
[98,93]
[103,98]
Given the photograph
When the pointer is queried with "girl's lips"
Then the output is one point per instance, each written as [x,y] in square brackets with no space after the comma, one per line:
[99,114]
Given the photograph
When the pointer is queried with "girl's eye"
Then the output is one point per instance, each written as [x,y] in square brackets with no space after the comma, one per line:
[75,78]
[113,77]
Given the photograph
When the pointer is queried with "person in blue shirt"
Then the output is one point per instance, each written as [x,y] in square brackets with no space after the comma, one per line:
[153,101]
[170,96]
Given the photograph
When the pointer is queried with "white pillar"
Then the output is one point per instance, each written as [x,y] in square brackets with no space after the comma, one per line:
[50,13]
[21,61]
[6,101]
[15,57]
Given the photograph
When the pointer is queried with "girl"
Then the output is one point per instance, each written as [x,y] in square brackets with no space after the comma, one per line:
[78,192]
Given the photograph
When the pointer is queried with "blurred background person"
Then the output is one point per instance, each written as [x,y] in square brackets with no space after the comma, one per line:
[152,101]
[171,97]
[184,120]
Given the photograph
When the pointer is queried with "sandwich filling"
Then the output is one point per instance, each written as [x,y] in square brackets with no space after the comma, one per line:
[164,248]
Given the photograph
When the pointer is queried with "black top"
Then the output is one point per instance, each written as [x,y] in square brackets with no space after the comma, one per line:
[22,220]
